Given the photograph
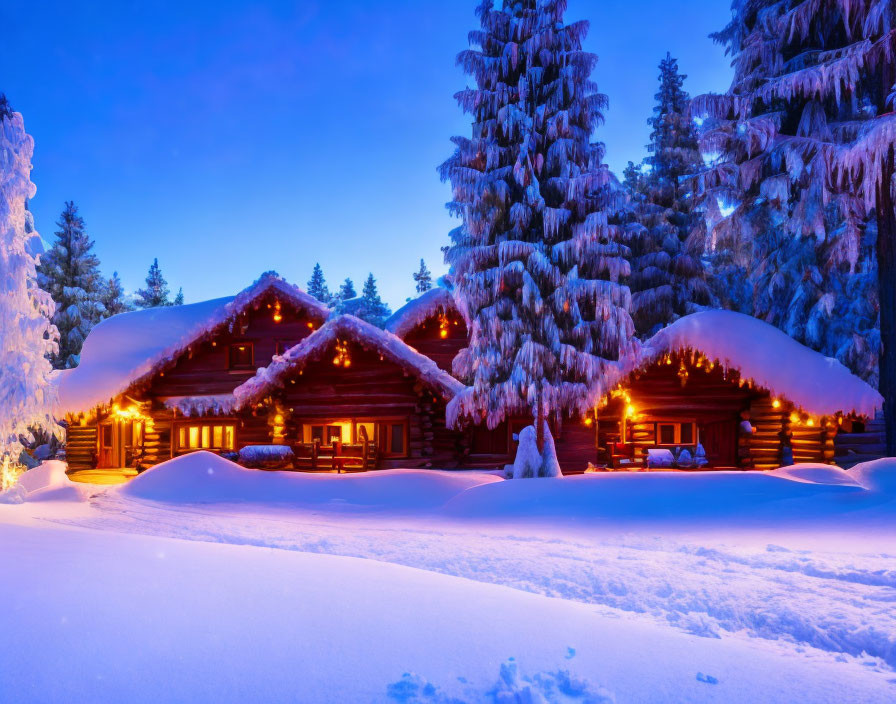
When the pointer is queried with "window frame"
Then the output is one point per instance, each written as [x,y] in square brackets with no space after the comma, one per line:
[241,367]
[202,427]
[380,426]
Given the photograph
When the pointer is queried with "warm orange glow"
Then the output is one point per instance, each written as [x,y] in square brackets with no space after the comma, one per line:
[810,422]
[278,419]
[311,326]
[776,403]
[629,411]
[277,317]
[794,418]
[443,333]
[589,421]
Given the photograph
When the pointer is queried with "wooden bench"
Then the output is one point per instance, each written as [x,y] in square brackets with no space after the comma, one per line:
[337,456]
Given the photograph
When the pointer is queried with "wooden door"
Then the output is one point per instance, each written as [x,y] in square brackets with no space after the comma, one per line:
[719,439]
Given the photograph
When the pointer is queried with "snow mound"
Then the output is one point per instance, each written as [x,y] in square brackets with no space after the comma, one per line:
[46,482]
[816,474]
[203,477]
[657,495]
[771,358]
[878,476]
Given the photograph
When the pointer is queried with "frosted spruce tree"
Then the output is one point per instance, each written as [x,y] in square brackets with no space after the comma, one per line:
[179,298]
[70,272]
[113,298]
[806,135]
[667,278]
[317,285]
[537,264]
[371,307]
[27,336]
[156,292]
[347,290]
[423,278]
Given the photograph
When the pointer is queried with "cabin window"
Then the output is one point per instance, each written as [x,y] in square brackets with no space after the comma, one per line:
[390,436]
[205,436]
[326,432]
[396,438]
[675,433]
[241,355]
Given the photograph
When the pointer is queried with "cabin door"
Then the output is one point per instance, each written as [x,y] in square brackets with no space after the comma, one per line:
[119,439]
[719,439]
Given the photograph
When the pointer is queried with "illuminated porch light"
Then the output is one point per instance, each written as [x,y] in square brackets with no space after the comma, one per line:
[629,411]
[776,403]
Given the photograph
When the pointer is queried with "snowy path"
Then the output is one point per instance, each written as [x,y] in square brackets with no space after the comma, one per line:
[102,617]
[837,599]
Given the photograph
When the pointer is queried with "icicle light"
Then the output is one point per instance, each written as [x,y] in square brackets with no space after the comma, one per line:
[342,358]
[278,314]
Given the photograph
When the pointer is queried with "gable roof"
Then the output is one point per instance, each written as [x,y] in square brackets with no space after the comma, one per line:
[416,311]
[770,358]
[350,328]
[127,348]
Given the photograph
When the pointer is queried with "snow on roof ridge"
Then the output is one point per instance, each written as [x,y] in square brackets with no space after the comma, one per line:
[771,358]
[113,358]
[436,300]
[357,330]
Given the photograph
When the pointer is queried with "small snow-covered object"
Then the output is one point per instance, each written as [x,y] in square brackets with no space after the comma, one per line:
[529,462]
[660,457]
[746,427]
[266,456]
[708,679]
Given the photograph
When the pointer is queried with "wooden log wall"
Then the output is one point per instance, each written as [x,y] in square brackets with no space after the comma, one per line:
[427,340]
[204,370]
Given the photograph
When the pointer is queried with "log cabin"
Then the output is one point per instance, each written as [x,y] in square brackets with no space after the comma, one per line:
[156,383]
[274,367]
[733,391]
[354,396]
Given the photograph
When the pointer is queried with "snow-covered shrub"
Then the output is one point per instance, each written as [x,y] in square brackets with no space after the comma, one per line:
[529,462]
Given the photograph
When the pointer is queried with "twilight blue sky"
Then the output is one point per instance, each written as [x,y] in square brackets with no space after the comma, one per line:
[228,138]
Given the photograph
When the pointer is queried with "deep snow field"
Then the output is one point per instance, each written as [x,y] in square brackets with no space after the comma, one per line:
[201,581]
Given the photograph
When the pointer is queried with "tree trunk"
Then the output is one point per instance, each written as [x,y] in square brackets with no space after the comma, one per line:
[886,277]
[539,427]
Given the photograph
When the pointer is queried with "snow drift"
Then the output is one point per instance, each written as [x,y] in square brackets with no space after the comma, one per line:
[46,482]
[203,477]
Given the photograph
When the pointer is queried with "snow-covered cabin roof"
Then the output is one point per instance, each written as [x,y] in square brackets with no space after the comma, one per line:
[126,348]
[347,328]
[437,300]
[769,357]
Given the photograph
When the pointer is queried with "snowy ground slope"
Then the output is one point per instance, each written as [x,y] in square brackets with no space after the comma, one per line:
[798,565]
[181,621]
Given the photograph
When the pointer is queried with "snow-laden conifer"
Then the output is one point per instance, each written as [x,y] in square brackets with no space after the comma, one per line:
[156,292]
[70,272]
[538,267]
[317,285]
[113,298]
[667,278]
[806,140]
[27,337]
[423,278]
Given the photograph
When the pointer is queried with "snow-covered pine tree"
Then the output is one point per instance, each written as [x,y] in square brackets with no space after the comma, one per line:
[156,292]
[667,278]
[113,299]
[347,290]
[537,266]
[27,336]
[70,272]
[806,137]
[423,278]
[317,285]
[371,307]
[179,298]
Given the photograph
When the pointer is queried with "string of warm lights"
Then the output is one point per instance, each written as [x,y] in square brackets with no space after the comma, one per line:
[342,358]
